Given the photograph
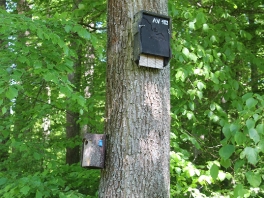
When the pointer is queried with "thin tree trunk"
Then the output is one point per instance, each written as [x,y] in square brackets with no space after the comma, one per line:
[72,131]
[72,127]
[254,78]
[3,118]
[137,112]
[254,69]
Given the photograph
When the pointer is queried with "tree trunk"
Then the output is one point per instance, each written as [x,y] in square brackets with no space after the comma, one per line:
[3,118]
[72,130]
[72,127]
[137,112]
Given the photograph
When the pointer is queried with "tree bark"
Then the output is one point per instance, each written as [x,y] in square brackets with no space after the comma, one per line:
[4,118]
[72,127]
[137,112]
[72,130]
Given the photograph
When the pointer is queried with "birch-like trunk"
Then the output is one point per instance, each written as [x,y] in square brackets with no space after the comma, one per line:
[137,112]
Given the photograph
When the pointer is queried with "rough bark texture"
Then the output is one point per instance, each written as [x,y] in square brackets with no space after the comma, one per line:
[137,112]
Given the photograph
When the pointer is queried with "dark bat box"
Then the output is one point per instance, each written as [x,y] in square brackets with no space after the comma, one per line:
[152,35]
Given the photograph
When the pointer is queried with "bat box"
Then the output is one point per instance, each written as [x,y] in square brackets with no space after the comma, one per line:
[151,39]
[93,152]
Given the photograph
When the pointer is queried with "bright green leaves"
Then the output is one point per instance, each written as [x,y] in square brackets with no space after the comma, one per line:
[213,87]
[250,123]
[253,178]
[24,190]
[83,33]
[251,102]
[240,191]
[76,28]
[185,51]
[240,138]
[205,27]
[253,134]
[11,93]
[214,170]
[226,151]
[246,131]
[251,155]
[189,55]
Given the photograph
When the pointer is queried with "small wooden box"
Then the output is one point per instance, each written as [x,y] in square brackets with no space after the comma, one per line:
[93,152]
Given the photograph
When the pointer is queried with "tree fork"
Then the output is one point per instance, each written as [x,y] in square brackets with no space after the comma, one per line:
[137,112]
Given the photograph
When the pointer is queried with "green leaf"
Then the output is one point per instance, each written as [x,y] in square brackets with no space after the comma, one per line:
[185,51]
[238,165]
[37,64]
[234,127]
[37,156]
[25,190]
[254,179]
[200,85]
[68,28]
[240,138]
[261,146]
[214,170]
[250,123]
[190,115]
[225,163]
[256,117]
[3,181]
[205,27]
[39,194]
[193,57]
[251,155]
[84,33]
[81,6]
[200,18]
[214,78]
[260,129]
[239,191]
[48,76]
[212,106]
[187,15]
[191,105]
[40,33]
[226,151]
[81,101]
[247,96]
[192,25]
[253,134]
[226,130]
[199,94]
[4,110]
[251,102]
[11,93]
[213,39]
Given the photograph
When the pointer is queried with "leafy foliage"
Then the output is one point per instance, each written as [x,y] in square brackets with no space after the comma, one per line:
[217,95]
[217,101]
[38,53]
